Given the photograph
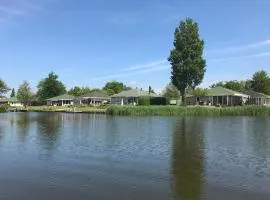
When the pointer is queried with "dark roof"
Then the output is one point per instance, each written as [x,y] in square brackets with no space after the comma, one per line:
[62,97]
[134,93]
[97,94]
[255,94]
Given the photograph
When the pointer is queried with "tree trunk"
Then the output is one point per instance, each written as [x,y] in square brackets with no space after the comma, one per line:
[183,93]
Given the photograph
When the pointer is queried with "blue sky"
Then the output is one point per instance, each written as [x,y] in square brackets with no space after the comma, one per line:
[89,42]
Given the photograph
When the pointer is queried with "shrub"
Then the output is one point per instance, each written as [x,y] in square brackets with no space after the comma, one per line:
[4,108]
[144,101]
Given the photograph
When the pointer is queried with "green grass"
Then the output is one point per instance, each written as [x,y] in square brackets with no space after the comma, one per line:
[86,109]
[188,111]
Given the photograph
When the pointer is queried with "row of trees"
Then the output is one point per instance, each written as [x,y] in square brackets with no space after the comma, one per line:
[260,82]
[51,86]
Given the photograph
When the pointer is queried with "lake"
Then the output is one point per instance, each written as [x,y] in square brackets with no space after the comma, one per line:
[79,156]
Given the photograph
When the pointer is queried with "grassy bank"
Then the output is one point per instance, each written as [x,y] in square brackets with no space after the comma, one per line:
[188,111]
[83,109]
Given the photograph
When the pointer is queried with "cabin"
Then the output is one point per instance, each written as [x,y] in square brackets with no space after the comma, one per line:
[62,100]
[12,101]
[256,98]
[130,97]
[94,98]
[219,96]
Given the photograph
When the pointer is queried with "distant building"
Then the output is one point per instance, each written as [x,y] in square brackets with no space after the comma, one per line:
[13,101]
[256,98]
[130,97]
[62,100]
[93,98]
[219,96]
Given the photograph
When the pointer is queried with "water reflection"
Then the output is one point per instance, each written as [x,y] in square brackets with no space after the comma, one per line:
[48,129]
[188,159]
[22,122]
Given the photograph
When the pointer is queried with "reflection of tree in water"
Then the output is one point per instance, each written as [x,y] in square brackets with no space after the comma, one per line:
[49,125]
[23,122]
[188,159]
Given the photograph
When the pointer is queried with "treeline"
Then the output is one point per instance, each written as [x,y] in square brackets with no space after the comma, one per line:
[51,86]
[260,82]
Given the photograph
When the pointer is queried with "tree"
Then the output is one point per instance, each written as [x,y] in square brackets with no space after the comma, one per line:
[171,92]
[199,92]
[150,90]
[114,87]
[3,87]
[13,94]
[188,65]
[79,91]
[261,82]
[24,93]
[50,87]
[235,85]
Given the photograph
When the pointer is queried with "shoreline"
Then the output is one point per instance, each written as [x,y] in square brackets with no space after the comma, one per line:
[116,110]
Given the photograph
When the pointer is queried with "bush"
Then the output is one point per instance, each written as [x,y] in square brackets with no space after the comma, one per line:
[188,111]
[144,101]
[4,108]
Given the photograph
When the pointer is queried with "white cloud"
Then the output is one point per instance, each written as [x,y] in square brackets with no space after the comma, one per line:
[264,54]
[140,71]
[234,49]
[146,66]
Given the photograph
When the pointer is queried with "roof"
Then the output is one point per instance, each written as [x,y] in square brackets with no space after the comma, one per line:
[11,100]
[98,94]
[256,94]
[62,97]
[220,91]
[134,93]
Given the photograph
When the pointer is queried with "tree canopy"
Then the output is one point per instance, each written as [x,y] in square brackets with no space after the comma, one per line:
[3,87]
[79,91]
[13,94]
[186,58]
[50,87]
[171,92]
[261,82]
[114,87]
[199,92]
[24,93]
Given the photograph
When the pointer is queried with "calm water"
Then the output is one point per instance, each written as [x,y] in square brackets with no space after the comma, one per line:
[65,156]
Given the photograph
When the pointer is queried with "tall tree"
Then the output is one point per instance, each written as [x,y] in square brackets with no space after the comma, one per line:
[171,92]
[114,87]
[3,87]
[186,58]
[50,87]
[24,93]
[199,92]
[13,94]
[261,82]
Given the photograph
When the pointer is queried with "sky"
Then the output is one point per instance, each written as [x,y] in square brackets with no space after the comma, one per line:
[90,42]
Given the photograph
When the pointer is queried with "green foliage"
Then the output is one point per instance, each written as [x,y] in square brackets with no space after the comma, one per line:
[79,91]
[114,87]
[235,85]
[144,101]
[158,101]
[3,87]
[188,65]
[171,92]
[199,92]
[24,94]
[188,111]
[13,94]
[4,108]
[261,82]
[50,87]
